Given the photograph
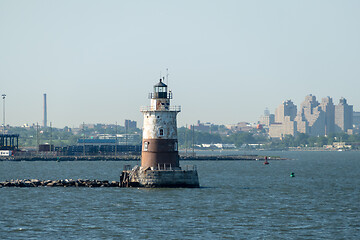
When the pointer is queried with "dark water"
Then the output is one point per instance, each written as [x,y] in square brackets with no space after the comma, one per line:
[238,200]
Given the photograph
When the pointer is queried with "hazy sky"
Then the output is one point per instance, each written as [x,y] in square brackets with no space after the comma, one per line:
[228,60]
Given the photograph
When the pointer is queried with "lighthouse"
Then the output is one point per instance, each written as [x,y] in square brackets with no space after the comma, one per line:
[160,155]
[160,144]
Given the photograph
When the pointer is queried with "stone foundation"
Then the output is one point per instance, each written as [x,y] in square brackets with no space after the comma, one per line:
[138,177]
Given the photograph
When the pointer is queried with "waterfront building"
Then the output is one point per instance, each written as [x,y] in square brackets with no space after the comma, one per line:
[201,127]
[284,120]
[95,147]
[287,108]
[9,142]
[311,112]
[302,124]
[122,139]
[240,127]
[343,116]
[313,118]
[129,125]
[328,107]
[356,120]
[280,130]
[267,119]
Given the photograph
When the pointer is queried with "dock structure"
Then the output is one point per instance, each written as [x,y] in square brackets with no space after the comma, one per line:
[9,141]
[159,155]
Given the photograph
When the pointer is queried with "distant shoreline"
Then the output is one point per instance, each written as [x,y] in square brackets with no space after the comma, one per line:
[138,157]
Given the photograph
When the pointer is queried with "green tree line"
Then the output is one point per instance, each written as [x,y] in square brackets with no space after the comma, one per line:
[29,137]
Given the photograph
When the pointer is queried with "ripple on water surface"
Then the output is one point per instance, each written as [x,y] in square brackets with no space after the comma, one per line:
[238,199]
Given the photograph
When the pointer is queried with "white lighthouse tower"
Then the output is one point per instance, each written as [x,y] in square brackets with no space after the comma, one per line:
[159,156]
[160,144]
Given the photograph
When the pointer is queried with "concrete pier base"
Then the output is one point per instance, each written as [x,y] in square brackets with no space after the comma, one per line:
[166,178]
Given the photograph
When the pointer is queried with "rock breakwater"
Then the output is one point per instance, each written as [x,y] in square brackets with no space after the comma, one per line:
[59,183]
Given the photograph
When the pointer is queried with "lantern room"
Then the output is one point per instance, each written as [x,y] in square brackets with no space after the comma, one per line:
[160,90]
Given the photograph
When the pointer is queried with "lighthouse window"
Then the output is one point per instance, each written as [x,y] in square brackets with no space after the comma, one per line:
[162,89]
[175,146]
[161,132]
[146,146]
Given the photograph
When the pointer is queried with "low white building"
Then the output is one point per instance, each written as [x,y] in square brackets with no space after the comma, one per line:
[5,153]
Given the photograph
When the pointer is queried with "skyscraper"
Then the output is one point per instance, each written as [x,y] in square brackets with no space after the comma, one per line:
[284,120]
[267,119]
[343,116]
[313,118]
[287,108]
[328,107]
[312,113]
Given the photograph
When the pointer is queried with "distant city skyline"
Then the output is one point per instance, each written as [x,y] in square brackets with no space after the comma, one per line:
[227,61]
[313,118]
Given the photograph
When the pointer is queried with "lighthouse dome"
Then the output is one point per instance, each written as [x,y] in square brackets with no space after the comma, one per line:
[160,84]
[160,90]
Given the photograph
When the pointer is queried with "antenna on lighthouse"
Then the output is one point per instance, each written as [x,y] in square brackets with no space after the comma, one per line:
[167,76]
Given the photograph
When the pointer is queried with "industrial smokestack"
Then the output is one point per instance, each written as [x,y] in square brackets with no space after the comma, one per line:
[45,111]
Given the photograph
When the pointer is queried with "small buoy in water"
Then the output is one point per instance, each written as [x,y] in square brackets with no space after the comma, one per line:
[266,162]
[292,174]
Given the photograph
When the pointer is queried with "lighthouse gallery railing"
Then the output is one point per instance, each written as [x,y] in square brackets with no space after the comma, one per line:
[170,108]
